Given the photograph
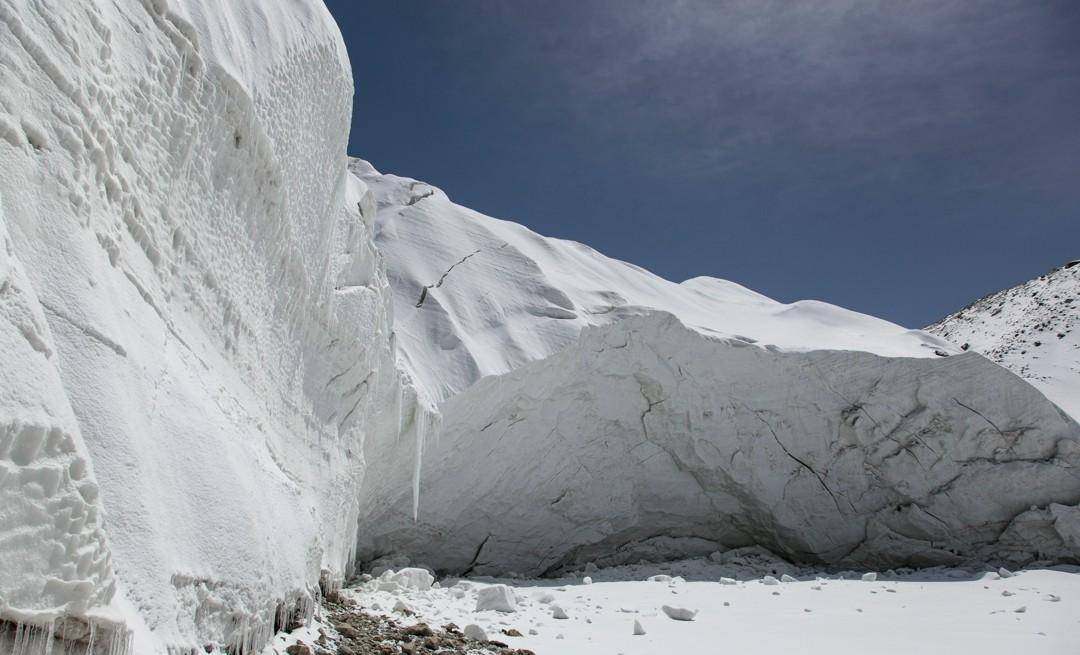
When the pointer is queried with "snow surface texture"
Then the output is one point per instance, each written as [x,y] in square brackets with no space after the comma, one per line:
[940,611]
[593,411]
[1032,329]
[193,319]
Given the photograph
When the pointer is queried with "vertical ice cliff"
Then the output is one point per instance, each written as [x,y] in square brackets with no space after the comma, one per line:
[195,325]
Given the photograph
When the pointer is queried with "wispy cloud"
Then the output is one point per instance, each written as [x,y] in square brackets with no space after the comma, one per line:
[714,82]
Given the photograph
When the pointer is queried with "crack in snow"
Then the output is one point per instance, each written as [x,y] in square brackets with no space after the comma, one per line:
[436,285]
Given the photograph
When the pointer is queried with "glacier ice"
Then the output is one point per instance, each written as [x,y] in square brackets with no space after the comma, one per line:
[592,411]
[194,319]
[235,363]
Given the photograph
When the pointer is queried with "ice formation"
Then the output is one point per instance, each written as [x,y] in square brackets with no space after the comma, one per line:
[194,322]
[208,411]
[594,411]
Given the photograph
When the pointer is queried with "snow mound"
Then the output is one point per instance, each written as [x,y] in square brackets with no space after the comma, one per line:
[593,411]
[1032,329]
[194,320]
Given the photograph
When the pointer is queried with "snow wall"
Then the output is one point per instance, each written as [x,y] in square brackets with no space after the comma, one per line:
[194,323]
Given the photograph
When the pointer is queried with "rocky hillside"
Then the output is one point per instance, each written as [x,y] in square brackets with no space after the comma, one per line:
[1032,329]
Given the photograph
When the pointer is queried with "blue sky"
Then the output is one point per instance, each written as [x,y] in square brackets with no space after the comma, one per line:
[897,158]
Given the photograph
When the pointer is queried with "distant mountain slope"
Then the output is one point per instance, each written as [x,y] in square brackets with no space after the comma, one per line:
[1032,329]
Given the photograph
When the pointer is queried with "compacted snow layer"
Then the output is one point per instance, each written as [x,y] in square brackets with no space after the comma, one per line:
[1033,329]
[933,611]
[194,322]
[592,410]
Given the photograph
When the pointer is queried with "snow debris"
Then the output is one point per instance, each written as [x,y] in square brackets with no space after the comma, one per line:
[499,598]
[679,613]
[557,612]
[869,577]
[413,578]
[638,628]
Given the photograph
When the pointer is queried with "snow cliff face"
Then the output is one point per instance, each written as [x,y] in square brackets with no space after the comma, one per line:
[1032,329]
[193,319]
[595,412]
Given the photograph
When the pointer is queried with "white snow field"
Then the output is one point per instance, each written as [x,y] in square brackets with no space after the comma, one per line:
[217,398]
[194,323]
[1033,329]
[746,609]
[592,411]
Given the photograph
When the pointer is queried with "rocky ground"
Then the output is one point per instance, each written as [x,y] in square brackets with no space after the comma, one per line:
[345,628]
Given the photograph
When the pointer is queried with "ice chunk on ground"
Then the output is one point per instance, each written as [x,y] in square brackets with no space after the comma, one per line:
[413,578]
[679,613]
[499,598]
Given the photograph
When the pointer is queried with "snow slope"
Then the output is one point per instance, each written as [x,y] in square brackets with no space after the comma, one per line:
[194,321]
[593,411]
[1032,329]
[477,296]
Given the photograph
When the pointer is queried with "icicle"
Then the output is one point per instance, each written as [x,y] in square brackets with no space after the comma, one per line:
[421,425]
[93,636]
[31,639]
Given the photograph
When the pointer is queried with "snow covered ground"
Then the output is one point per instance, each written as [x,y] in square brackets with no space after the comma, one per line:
[740,610]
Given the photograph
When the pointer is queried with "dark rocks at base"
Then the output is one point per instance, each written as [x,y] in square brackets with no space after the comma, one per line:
[369,634]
